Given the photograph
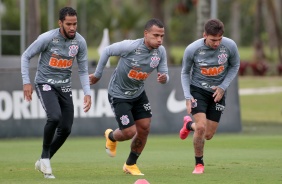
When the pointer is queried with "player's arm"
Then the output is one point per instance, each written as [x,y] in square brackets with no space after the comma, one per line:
[234,65]
[115,49]
[187,63]
[82,61]
[93,79]
[163,76]
[39,45]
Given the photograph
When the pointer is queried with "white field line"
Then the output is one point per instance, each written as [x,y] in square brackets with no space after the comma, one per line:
[260,91]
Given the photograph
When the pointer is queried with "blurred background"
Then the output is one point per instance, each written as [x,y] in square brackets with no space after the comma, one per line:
[255,25]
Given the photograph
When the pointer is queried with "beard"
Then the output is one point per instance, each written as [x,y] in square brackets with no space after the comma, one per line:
[67,35]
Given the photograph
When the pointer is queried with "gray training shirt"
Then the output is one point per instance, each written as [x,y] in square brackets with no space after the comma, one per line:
[55,62]
[210,67]
[135,65]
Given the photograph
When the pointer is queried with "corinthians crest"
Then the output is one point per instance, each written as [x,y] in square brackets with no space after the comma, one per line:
[154,61]
[73,50]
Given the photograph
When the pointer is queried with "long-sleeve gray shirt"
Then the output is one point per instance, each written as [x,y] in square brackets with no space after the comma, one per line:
[55,62]
[135,65]
[205,67]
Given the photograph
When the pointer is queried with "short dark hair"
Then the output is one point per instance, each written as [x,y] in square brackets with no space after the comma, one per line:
[153,22]
[214,27]
[66,11]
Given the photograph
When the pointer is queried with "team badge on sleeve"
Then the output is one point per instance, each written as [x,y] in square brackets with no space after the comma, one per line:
[73,50]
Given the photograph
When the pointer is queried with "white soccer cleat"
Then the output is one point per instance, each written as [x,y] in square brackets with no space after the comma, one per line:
[49,176]
[37,165]
[44,166]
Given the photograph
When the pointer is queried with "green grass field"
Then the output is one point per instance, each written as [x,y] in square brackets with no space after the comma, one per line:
[232,158]
[266,109]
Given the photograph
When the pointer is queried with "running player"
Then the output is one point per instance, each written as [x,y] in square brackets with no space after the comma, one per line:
[58,49]
[138,59]
[209,65]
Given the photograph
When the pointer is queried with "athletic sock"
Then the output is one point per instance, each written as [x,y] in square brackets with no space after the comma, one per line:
[189,126]
[132,158]
[199,160]
[111,136]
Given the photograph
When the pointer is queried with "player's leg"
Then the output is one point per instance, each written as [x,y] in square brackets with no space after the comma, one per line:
[137,145]
[214,113]
[122,110]
[199,126]
[212,117]
[199,142]
[142,131]
[210,129]
[142,115]
[201,104]
[49,101]
[65,126]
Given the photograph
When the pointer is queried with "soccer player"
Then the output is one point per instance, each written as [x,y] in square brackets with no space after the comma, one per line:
[209,65]
[138,59]
[58,49]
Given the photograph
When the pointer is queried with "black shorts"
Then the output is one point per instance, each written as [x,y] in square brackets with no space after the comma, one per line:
[129,110]
[206,104]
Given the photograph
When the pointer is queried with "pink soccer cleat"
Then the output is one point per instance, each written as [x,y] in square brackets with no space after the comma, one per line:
[199,169]
[183,134]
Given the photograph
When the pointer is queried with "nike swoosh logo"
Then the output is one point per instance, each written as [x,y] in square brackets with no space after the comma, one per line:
[174,105]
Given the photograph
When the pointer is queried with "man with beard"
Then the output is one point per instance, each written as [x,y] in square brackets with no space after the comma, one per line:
[58,48]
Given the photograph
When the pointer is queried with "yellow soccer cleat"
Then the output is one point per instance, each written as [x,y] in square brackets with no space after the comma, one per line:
[110,145]
[132,169]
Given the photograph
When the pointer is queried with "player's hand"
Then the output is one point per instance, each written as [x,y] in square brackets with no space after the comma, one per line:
[190,103]
[218,94]
[28,90]
[162,78]
[87,103]
[93,79]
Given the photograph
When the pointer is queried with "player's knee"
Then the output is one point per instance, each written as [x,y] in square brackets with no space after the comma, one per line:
[54,117]
[129,135]
[208,136]
[64,131]
[144,131]
[201,129]
[129,132]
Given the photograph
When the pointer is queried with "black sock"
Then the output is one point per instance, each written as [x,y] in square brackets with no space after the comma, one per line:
[111,136]
[199,160]
[189,126]
[132,158]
